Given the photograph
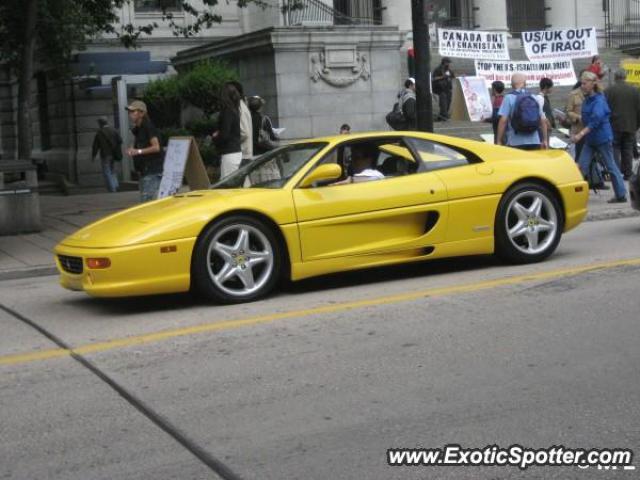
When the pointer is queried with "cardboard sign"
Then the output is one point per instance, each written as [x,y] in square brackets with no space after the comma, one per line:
[632,67]
[182,159]
[555,44]
[560,71]
[471,101]
[473,44]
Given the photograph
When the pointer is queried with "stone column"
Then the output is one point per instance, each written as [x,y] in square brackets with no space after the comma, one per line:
[491,14]
[397,12]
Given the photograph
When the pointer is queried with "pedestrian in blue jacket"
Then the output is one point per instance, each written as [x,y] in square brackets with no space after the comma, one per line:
[598,135]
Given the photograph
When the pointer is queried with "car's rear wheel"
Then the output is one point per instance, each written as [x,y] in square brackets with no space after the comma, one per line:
[529,224]
[237,259]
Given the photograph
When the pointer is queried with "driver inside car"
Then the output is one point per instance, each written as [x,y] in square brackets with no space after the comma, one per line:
[363,161]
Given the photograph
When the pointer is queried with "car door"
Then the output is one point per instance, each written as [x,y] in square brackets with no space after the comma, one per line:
[473,190]
[403,214]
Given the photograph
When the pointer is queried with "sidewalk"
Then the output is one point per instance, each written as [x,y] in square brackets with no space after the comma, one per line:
[31,255]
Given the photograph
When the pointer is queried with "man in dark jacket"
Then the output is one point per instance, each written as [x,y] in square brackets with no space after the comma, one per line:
[624,102]
[442,85]
[108,143]
[146,152]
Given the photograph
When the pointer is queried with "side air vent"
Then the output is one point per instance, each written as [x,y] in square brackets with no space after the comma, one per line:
[432,220]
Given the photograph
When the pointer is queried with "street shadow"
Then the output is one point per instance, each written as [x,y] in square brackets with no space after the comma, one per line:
[371,276]
[137,305]
[185,301]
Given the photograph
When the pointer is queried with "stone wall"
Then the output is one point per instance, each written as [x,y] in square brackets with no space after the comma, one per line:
[315,78]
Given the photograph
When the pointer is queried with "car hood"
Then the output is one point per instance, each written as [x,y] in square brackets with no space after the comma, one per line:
[179,216]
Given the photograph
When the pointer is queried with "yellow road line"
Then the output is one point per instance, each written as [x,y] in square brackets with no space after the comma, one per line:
[338,307]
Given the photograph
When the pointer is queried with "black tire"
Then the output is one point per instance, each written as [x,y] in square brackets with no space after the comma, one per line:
[515,247]
[215,251]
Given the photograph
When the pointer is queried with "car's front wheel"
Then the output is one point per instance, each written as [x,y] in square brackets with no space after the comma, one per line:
[529,224]
[237,259]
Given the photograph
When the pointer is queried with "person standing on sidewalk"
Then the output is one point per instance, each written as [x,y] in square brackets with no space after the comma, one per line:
[624,102]
[598,135]
[146,151]
[442,85]
[246,126]
[108,143]
[522,118]
[227,137]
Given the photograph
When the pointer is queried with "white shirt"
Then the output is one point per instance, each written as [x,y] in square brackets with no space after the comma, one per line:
[246,131]
[367,175]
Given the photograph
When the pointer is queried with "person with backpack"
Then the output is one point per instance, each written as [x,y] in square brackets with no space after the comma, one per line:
[403,115]
[108,143]
[522,119]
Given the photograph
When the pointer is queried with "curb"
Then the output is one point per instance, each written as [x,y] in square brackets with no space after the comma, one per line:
[29,272]
[611,215]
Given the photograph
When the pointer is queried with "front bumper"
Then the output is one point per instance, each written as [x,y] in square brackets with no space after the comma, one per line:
[146,269]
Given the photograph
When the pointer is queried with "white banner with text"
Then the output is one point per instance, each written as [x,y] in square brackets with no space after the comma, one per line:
[556,44]
[559,70]
[473,44]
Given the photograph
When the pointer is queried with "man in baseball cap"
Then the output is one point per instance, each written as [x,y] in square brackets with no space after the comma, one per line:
[145,151]
[137,105]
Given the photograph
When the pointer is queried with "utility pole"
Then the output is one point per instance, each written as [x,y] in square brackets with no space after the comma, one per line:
[423,66]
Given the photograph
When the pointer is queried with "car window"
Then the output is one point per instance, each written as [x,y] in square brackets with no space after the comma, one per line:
[390,157]
[436,156]
[396,160]
[274,168]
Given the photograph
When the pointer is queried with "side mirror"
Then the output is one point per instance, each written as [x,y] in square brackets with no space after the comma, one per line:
[323,173]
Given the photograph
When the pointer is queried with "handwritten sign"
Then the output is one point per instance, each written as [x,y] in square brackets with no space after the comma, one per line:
[473,44]
[471,101]
[555,44]
[560,71]
[182,159]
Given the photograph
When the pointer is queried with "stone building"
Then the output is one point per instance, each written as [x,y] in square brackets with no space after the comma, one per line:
[332,61]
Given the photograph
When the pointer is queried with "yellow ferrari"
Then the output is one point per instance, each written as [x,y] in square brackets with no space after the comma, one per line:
[329,205]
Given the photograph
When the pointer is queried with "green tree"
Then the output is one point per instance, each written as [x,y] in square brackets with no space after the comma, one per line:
[201,85]
[55,29]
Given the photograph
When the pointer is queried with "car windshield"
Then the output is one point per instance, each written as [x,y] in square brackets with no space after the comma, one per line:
[273,169]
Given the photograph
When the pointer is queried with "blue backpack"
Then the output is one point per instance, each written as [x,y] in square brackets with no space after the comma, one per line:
[525,117]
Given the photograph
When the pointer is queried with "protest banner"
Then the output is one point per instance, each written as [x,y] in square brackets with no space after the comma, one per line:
[560,71]
[471,101]
[557,44]
[632,67]
[182,159]
[473,44]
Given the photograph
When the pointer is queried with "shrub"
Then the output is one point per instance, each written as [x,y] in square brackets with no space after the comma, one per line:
[200,86]
[203,126]
[167,132]
[164,102]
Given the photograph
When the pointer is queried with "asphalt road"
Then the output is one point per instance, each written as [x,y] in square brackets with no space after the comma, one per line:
[318,381]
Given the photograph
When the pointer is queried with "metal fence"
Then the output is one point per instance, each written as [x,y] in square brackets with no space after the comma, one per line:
[622,23]
[309,12]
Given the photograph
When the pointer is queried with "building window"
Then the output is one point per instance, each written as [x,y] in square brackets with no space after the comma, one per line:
[525,16]
[157,5]
[450,13]
[367,12]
